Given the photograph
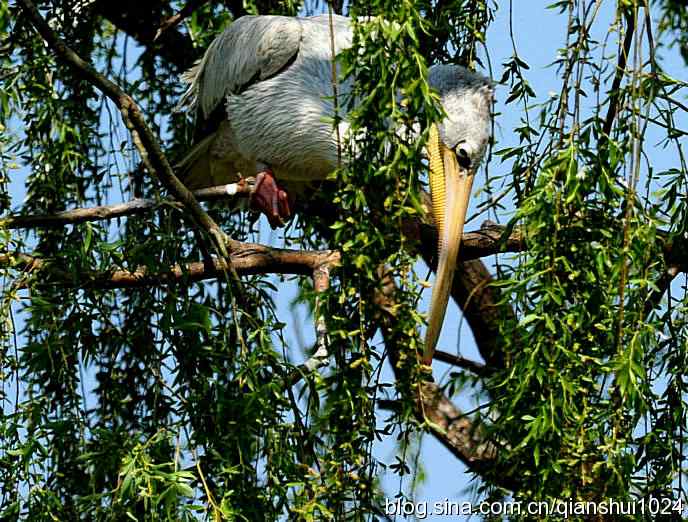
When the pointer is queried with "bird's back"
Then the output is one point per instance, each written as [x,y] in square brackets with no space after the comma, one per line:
[286,121]
[273,75]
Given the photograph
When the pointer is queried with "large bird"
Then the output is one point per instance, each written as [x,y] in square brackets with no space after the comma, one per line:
[263,98]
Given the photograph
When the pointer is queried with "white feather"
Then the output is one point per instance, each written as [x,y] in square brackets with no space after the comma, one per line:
[275,76]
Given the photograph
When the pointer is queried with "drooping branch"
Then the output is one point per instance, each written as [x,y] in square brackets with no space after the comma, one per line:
[146,142]
[247,259]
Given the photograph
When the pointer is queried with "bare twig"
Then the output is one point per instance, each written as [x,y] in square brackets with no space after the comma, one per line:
[133,207]
[144,139]
[179,17]
[461,362]
[140,20]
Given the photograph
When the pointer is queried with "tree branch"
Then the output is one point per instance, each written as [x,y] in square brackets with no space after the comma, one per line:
[620,71]
[448,424]
[461,362]
[139,19]
[247,259]
[174,20]
[484,242]
[130,208]
[144,139]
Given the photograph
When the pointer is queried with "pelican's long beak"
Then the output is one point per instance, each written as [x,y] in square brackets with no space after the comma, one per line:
[450,188]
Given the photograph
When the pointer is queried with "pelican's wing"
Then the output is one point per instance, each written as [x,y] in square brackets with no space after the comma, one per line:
[251,49]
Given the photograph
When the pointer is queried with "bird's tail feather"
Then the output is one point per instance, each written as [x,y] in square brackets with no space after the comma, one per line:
[189,100]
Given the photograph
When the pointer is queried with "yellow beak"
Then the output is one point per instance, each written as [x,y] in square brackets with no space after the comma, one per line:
[450,188]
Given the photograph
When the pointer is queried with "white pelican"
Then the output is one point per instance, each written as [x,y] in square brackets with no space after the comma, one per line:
[263,99]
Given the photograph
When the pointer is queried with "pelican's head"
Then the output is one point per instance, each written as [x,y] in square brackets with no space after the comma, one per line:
[466,97]
[455,147]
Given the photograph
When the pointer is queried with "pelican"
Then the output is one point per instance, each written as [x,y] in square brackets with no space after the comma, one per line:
[262,95]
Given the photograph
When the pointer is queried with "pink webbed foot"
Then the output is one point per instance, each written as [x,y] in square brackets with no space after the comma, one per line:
[270,199]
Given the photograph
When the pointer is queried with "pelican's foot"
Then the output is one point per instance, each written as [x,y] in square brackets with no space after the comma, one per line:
[267,197]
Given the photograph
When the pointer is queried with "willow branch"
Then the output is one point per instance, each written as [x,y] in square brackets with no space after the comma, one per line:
[146,142]
[247,259]
[130,208]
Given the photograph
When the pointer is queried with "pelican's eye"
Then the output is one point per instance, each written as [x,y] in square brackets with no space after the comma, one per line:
[463,158]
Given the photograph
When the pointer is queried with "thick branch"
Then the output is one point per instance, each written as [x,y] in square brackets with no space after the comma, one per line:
[455,430]
[144,139]
[248,259]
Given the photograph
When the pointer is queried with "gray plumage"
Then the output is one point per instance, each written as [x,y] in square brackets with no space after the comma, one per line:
[274,76]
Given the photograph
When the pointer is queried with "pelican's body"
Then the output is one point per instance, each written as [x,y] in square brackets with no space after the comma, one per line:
[263,94]
[280,120]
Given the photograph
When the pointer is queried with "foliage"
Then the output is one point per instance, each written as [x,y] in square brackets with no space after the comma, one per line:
[588,401]
[176,403]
